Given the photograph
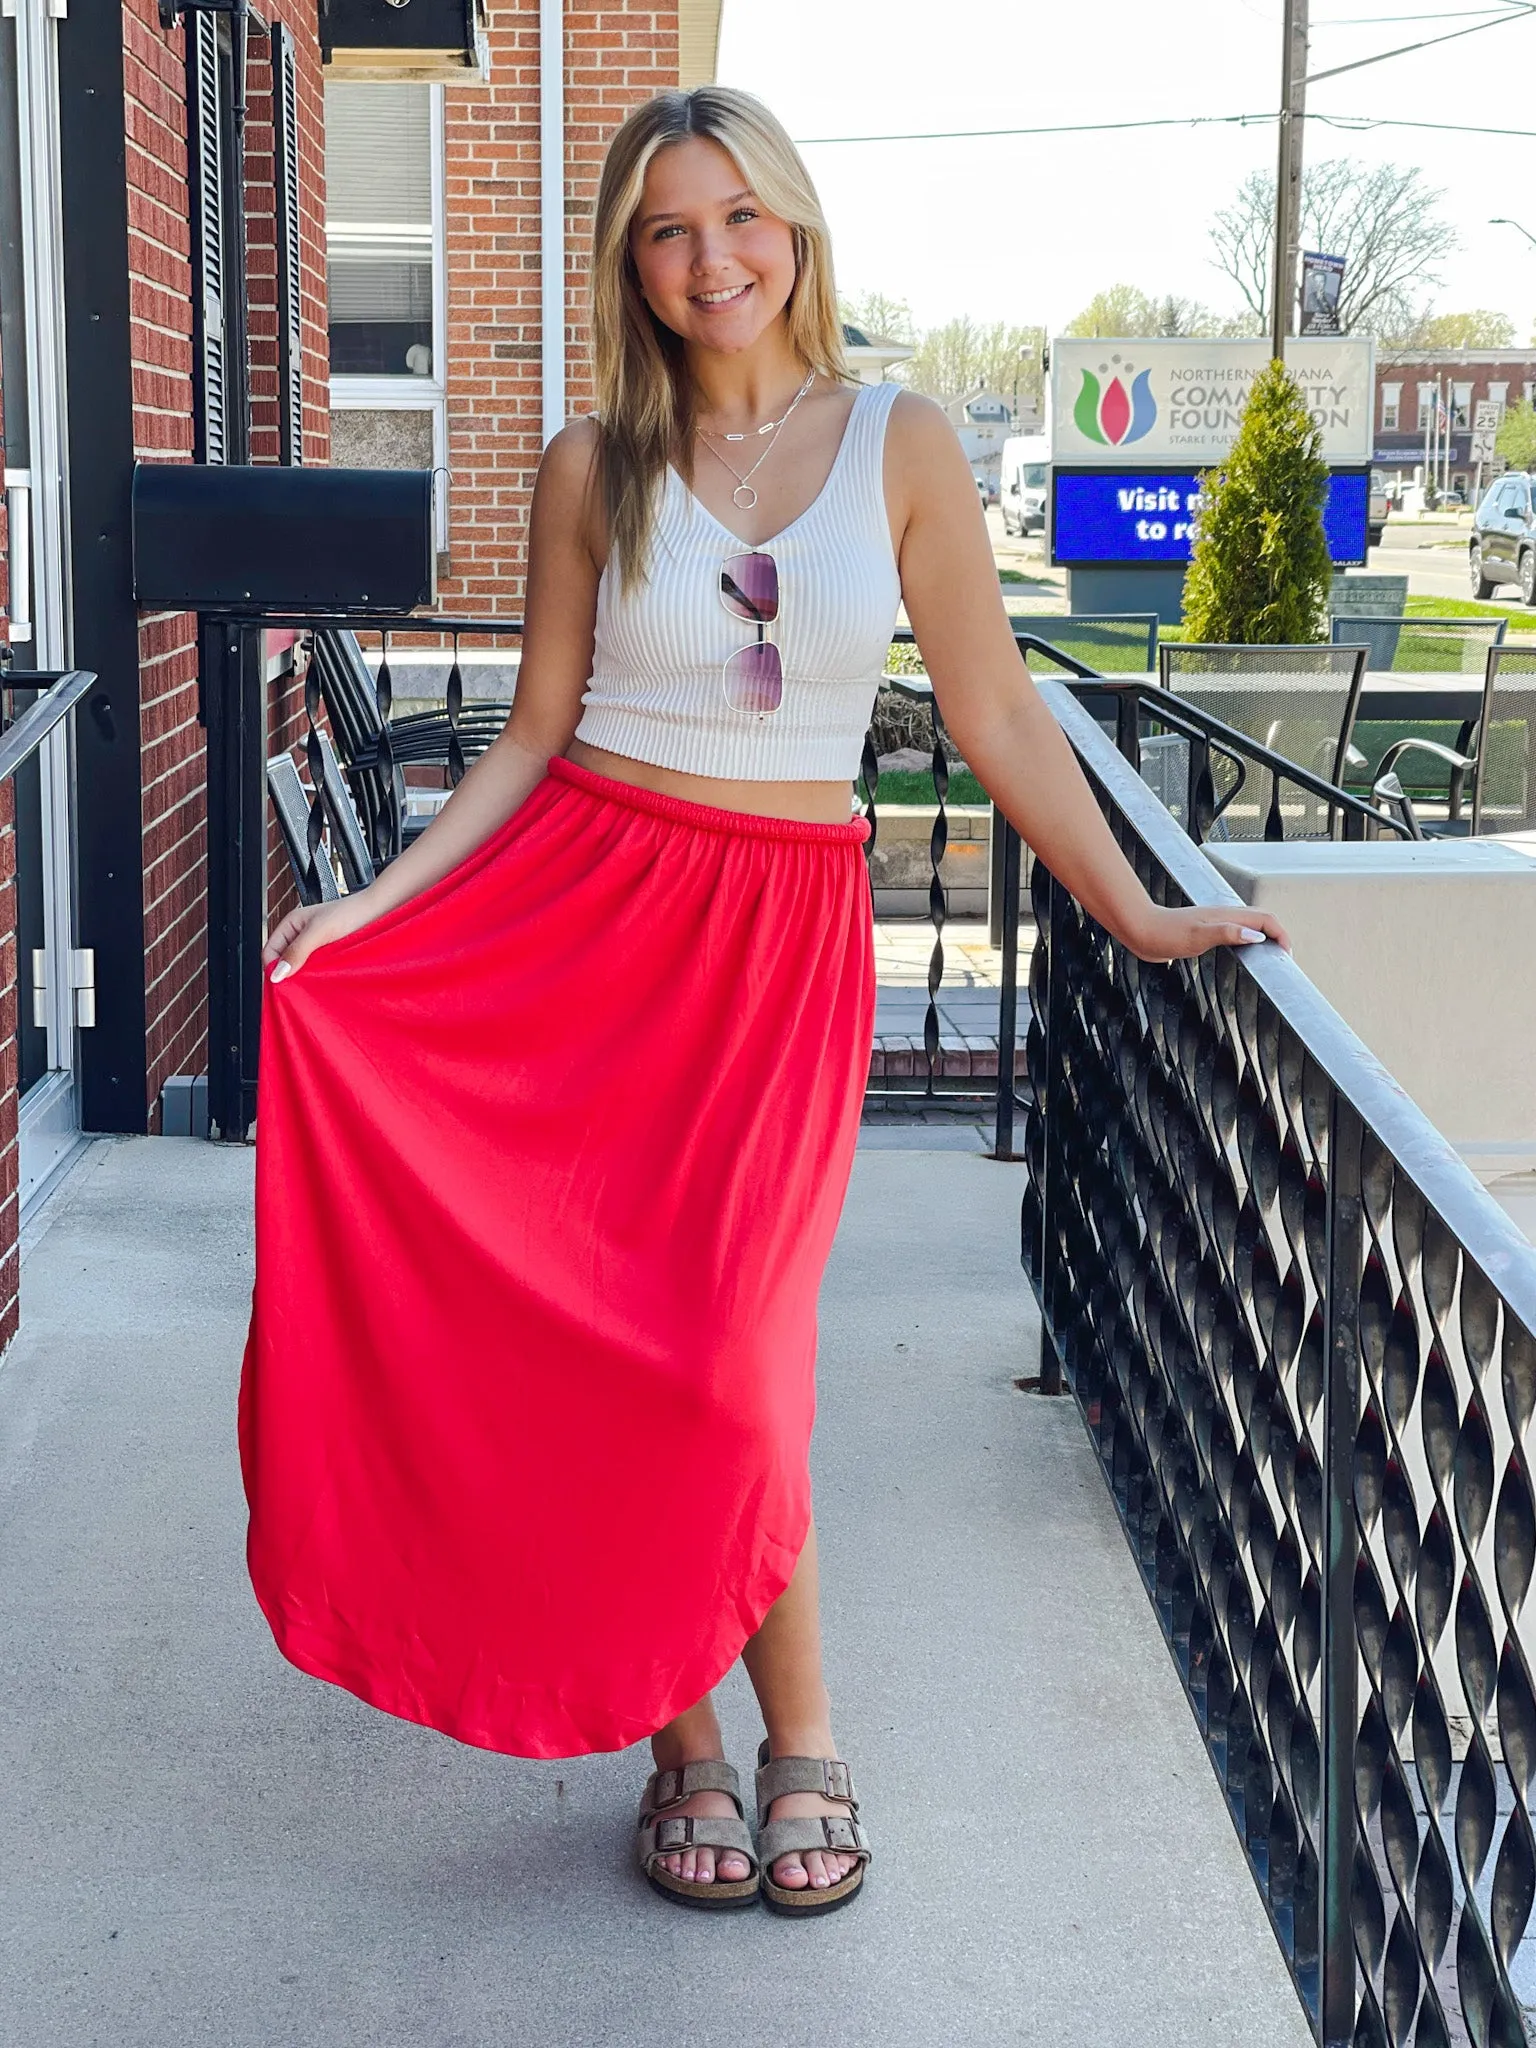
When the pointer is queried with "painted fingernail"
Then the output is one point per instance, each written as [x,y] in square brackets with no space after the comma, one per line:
[282,970]
[1250,937]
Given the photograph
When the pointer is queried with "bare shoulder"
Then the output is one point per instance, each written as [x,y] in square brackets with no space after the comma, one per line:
[569,463]
[567,500]
[922,440]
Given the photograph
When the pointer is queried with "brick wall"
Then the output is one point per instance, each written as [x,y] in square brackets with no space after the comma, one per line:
[615,56]
[174,772]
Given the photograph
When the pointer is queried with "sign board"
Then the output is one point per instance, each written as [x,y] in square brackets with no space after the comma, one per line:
[1138,403]
[1484,444]
[1322,281]
[1487,415]
[1126,518]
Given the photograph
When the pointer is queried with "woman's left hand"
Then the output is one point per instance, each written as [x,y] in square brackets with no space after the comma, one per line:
[1184,934]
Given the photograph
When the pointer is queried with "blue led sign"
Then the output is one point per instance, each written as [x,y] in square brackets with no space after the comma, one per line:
[1124,517]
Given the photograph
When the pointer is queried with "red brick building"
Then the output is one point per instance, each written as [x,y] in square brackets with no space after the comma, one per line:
[429,315]
[1413,386]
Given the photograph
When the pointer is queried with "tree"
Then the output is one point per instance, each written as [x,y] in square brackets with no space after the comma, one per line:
[1259,571]
[1517,436]
[965,356]
[1381,219]
[878,317]
[1478,329]
[1125,310]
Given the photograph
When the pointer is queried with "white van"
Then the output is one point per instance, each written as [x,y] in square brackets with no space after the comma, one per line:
[1025,483]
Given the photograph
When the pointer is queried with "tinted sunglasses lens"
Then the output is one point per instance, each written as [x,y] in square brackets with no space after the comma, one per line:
[754,680]
[749,588]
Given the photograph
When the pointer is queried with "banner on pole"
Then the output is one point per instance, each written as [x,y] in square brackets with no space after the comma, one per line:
[1322,281]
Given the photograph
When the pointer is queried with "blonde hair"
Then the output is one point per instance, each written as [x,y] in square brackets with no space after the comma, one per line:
[644,394]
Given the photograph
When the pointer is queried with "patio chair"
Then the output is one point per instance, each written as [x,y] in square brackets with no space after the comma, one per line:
[1419,646]
[290,805]
[1494,759]
[1114,643]
[1299,701]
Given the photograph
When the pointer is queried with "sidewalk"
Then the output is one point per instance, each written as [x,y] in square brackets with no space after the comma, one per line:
[201,1849]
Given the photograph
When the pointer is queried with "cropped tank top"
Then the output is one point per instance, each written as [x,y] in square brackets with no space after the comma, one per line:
[656,692]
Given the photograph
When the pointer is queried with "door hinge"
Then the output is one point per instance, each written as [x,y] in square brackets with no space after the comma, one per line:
[80,967]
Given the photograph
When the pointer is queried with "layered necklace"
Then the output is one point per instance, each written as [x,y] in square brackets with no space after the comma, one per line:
[744,497]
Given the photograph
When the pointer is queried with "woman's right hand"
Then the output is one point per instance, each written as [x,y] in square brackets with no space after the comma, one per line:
[311,926]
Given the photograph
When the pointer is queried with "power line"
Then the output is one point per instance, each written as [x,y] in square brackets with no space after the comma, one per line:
[1357,122]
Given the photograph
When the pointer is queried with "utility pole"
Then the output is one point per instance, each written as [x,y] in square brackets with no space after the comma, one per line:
[1293,105]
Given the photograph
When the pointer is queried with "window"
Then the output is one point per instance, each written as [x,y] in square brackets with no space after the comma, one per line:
[378,175]
[387,298]
[1427,403]
[1461,405]
[1391,399]
[1528,391]
[1498,394]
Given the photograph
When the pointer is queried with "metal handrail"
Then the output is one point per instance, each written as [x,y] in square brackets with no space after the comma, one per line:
[62,690]
[1303,1339]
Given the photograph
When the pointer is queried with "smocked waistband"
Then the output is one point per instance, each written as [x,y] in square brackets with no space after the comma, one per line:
[706,817]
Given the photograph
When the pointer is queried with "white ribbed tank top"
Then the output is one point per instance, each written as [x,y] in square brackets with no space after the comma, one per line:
[656,693]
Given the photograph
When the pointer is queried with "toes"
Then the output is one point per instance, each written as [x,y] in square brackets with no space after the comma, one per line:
[732,1869]
[816,1870]
[789,1874]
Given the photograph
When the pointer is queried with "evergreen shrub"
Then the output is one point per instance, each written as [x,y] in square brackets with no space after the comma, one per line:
[1259,572]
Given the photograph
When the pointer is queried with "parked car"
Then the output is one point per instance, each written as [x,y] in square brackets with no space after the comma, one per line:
[1025,481]
[1503,544]
[1378,511]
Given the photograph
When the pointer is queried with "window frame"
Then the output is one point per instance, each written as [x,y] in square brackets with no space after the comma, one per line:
[407,392]
[1391,407]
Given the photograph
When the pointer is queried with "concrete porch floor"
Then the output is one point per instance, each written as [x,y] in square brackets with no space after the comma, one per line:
[201,1849]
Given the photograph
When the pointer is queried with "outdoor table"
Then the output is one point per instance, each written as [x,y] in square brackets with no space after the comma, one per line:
[1428,950]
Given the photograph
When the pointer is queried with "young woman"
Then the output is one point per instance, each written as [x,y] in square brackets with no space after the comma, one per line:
[558,1114]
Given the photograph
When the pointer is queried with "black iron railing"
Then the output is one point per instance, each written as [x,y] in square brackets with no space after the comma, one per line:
[1136,707]
[1301,1337]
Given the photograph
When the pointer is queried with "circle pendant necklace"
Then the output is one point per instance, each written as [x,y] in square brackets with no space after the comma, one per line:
[744,497]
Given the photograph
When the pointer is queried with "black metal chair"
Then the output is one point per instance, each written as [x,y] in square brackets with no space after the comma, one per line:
[1299,701]
[290,805]
[1494,757]
[1112,643]
[1419,646]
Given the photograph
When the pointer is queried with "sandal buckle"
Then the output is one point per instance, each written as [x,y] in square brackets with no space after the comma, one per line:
[837,1778]
[669,1788]
[840,1832]
[675,1833]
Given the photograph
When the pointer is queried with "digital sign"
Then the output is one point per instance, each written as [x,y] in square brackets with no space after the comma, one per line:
[1123,518]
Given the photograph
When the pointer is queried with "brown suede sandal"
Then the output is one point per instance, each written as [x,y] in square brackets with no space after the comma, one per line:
[664,1833]
[839,1832]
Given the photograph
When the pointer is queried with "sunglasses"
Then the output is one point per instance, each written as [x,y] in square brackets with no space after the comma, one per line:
[753,678]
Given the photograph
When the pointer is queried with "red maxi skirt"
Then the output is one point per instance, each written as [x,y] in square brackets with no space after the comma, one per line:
[548,1166]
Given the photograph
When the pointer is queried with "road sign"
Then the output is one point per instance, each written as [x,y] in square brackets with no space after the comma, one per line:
[1483,439]
[1487,415]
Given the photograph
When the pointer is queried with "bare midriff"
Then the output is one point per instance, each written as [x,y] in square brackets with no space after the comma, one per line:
[809,803]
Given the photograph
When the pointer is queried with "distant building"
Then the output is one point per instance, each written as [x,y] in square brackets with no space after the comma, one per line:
[983,420]
[872,361]
[1407,383]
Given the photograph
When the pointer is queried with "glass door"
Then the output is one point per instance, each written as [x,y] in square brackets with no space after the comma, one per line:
[32,366]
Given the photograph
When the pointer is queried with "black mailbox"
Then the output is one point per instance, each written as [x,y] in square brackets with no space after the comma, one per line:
[217,537]
[402,38]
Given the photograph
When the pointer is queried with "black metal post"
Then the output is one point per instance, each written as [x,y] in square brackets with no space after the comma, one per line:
[1008,1001]
[237,871]
[1340,1654]
[1051,1026]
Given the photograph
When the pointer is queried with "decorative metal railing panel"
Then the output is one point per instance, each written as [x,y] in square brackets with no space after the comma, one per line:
[1301,1337]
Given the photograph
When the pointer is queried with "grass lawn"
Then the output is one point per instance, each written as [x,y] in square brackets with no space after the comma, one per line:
[912,786]
[1521,617]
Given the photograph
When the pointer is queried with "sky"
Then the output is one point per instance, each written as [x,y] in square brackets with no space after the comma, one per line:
[1028,228]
